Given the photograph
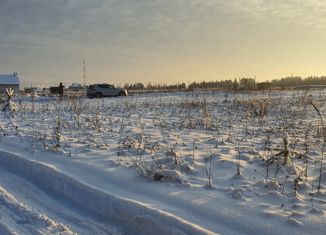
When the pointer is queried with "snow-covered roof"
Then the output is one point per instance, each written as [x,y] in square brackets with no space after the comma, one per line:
[9,79]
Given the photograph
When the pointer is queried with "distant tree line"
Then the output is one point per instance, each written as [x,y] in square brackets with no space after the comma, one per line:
[140,86]
[234,85]
[299,81]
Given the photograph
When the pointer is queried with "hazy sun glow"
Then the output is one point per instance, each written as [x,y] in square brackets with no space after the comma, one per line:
[166,41]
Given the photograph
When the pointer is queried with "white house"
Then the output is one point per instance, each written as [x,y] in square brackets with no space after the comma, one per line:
[9,81]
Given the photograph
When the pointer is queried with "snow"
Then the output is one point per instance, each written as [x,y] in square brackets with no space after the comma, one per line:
[140,164]
[27,217]
[103,205]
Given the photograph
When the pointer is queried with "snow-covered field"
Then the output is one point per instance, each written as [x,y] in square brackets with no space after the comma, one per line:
[181,163]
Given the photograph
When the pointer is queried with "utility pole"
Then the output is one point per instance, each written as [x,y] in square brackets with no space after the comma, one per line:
[84,73]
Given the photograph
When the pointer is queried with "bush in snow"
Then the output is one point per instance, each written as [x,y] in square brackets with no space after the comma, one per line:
[9,107]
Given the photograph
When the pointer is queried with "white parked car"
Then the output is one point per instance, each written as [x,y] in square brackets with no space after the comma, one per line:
[105,90]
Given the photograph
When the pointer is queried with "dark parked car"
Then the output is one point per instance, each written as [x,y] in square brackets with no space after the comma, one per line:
[105,90]
[54,90]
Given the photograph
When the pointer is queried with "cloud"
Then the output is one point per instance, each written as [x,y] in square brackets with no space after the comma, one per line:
[169,31]
[144,25]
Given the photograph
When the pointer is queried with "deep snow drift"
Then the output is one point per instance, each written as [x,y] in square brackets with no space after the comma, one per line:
[188,163]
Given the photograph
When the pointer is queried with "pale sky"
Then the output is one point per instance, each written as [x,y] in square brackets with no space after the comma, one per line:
[161,41]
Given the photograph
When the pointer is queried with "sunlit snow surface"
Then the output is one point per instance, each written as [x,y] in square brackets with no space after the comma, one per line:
[164,164]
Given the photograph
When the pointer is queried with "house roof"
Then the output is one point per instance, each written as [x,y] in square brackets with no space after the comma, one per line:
[9,79]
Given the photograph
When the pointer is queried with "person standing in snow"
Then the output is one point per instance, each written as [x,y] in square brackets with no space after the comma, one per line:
[60,91]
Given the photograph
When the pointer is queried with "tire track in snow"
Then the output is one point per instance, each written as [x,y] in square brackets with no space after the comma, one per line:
[40,203]
[25,220]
